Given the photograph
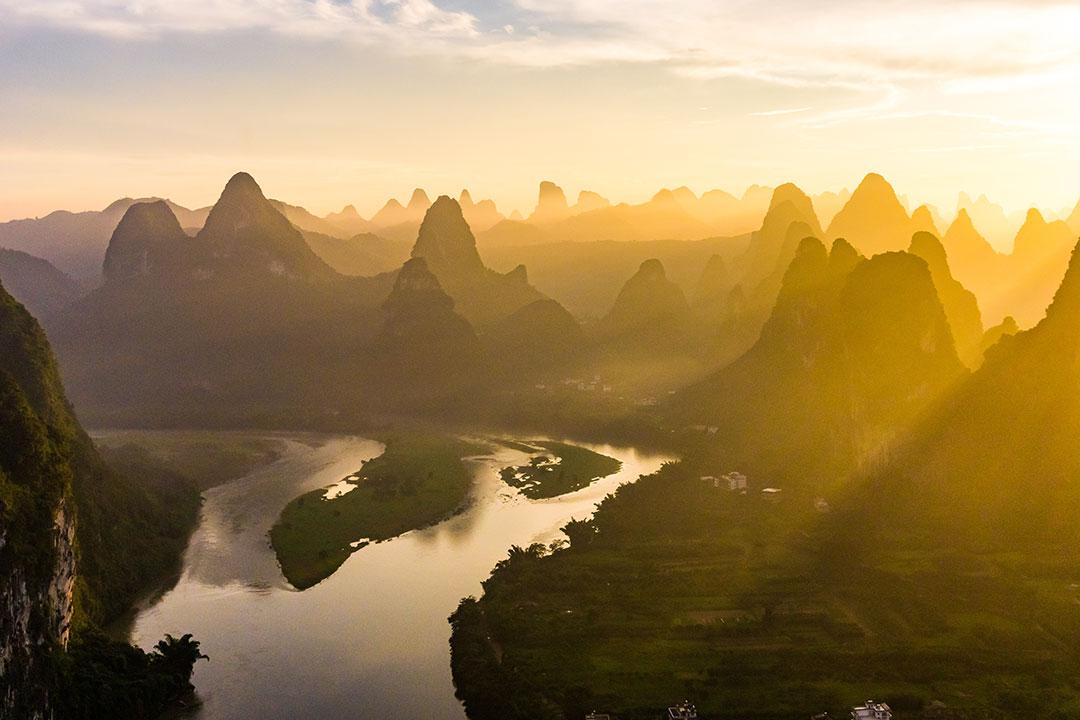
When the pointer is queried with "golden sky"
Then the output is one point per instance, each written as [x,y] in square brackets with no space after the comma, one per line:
[329,102]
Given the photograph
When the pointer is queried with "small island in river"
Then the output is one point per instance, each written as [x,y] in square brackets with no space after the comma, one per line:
[558,468]
[417,481]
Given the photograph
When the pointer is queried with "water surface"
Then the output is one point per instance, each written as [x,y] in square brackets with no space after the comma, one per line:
[370,641]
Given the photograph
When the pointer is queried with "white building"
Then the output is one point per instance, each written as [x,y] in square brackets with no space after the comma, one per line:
[683,711]
[871,711]
[736,481]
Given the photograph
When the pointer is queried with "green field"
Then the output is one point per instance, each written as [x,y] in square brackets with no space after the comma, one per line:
[756,609]
[206,458]
[417,481]
[562,469]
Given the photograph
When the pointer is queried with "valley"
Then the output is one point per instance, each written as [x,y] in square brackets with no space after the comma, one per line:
[373,634]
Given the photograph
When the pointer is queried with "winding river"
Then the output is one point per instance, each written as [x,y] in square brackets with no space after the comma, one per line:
[372,640]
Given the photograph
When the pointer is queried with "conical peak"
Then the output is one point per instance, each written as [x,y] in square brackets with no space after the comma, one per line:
[349,210]
[154,216]
[445,240]
[393,204]
[141,242]
[465,199]
[652,268]
[445,206]
[789,192]
[922,219]
[419,200]
[242,185]
[1034,217]
[963,218]
[811,247]
[843,256]
[929,248]
[874,184]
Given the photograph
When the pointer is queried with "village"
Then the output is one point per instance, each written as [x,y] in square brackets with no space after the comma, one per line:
[686,710]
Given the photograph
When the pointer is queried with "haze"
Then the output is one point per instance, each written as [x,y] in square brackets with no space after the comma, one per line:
[330,102]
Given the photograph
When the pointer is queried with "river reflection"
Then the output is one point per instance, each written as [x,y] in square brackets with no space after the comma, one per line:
[371,641]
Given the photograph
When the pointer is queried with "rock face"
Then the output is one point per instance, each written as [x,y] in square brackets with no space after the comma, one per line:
[852,352]
[37,532]
[922,220]
[873,220]
[961,306]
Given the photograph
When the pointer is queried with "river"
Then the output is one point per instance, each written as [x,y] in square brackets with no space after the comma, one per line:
[370,641]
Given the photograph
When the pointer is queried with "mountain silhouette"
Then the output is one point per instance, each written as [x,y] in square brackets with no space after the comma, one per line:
[75,242]
[853,352]
[873,220]
[551,204]
[349,222]
[37,284]
[648,302]
[995,465]
[183,322]
[960,305]
[147,241]
[425,350]
[448,247]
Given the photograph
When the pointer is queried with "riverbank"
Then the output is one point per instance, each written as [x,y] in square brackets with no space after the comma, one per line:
[373,635]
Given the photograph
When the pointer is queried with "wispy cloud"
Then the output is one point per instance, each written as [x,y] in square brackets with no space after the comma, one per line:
[784,111]
[971,44]
[877,54]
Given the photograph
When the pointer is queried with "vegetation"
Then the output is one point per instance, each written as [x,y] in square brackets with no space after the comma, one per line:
[52,479]
[567,468]
[759,609]
[99,677]
[417,481]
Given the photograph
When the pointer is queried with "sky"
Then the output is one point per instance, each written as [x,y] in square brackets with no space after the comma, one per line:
[329,102]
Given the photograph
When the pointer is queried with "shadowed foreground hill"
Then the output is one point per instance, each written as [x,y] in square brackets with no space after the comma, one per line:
[852,352]
[78,542]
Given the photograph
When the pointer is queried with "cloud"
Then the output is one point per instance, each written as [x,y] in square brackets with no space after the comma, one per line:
[962,46]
